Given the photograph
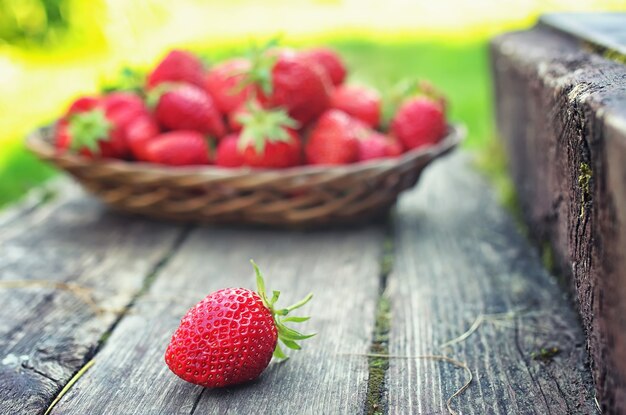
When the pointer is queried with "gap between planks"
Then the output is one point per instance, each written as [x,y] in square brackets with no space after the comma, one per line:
[90,359]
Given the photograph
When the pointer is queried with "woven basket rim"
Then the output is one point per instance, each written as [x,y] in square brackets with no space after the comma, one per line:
[38,141]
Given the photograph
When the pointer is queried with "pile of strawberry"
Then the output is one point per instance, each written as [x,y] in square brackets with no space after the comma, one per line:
[275,108]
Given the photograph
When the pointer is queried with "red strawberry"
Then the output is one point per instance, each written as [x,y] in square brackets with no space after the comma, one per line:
[333,140]
[91,134]
[139,133]
[275,154]
[222,83]
[177,66]
[359,102]
[330,61]
[228,154]
[83,104]
[186,107]
[98,128]
[117,100]
[419,122]
[267,139]
[377,145]
[230,337]
[287,80]
[178,148]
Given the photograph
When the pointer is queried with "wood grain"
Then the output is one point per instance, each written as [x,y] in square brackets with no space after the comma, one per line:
[561,112]
[341,268]
[47,333]
[459,255]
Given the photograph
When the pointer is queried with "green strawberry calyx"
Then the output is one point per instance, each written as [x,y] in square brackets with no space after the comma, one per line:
[88,128]
[261,125]
[286,335]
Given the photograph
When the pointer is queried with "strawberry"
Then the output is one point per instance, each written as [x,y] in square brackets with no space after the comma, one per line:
[139,133]
[177,66]
[419,122]
[376,145]
[228,154]
[89,133]
[117,100]
[98,126]
[330,61]
[222,83]
[82,104]
[230,336]
[277,152]
[178,148]
[359,102]
[267,139]
[287,80]
[186,107]
[333,139]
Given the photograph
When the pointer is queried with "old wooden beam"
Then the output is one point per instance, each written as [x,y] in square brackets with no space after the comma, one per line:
[561,111]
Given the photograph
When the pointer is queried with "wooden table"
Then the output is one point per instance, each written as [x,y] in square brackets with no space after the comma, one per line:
[85,286]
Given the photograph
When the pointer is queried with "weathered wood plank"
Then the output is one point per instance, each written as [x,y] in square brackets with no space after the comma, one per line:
[562,116]
[341,268]
[47,333]
[459,255]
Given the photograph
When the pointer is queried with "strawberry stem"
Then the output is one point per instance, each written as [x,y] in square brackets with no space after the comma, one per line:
[287,336]
[261,65]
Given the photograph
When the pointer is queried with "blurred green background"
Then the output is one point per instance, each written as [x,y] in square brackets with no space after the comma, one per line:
[54,50]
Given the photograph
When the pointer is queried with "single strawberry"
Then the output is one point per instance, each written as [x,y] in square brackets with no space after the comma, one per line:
[117,100]
[82,104]
[139,133]
[268,138]
[177,66]
[359,102]
[230,337]
[222,83]
[186,107]
[90,134]
[178,148]
[376,145]
[228,153]
[277,153]
[330,61]
[419,122]
[122,109]
[333,140]
[287,80]
[98,128]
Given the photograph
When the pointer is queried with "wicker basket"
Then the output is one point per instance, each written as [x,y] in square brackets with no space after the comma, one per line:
[296,197]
